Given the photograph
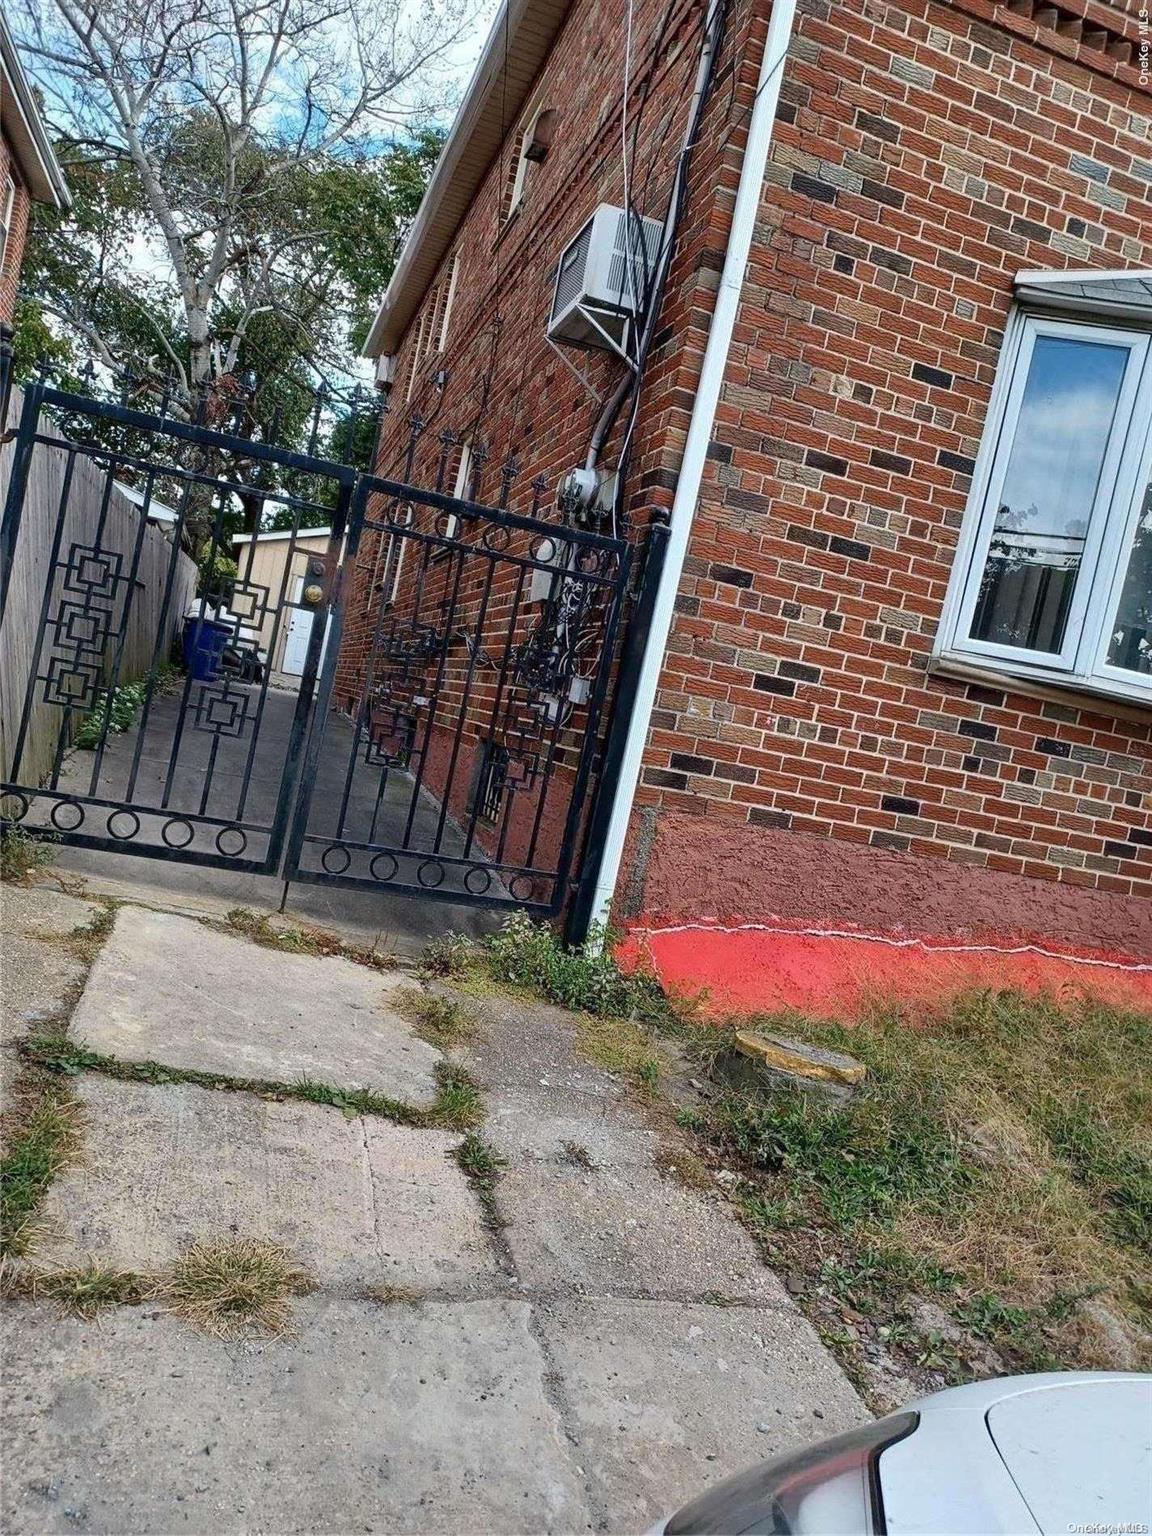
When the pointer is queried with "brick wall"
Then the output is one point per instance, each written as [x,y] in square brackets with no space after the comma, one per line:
[14,252]
[924,156]
[803,760]
[506,388]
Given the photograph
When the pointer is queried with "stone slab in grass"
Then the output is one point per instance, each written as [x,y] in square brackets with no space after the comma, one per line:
[626,1228]
[423,1419]
[170,989]
[666,1399]
[356,1202]
[38,973]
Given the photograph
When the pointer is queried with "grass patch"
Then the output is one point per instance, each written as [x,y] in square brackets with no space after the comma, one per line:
[482,1165]
[458,1104]
[41,1137]
[446,956]
[439,1020]
[79,1292]
[998,1158]
[226,1288]
[22,854]
[295,940]
[585,979]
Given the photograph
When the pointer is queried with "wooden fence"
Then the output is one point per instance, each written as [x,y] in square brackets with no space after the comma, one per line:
[145,641]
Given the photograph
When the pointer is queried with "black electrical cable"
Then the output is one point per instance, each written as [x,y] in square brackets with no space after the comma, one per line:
[664,261]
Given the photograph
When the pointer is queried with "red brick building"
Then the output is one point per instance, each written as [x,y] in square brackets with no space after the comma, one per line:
[897,406]
[29,172]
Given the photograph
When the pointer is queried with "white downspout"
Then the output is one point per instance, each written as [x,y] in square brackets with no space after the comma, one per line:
[744,212]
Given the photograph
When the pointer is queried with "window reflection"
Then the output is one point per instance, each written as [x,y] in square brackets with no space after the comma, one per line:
[1048,493]
[1130,645]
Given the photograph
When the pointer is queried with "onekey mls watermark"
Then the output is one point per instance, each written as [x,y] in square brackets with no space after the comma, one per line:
[1144,54]
[1110,1528]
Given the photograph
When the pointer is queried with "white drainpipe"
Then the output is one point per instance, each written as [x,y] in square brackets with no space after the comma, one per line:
[700,428]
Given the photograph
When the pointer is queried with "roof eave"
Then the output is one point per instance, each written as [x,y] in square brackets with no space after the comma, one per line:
[518,44]
[24,128]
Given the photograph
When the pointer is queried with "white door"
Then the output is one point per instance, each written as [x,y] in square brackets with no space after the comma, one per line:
[298,636]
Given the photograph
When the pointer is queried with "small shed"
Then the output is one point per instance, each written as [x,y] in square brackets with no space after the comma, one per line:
[279,563]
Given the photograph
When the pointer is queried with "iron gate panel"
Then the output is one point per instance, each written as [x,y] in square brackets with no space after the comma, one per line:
[208,773]
[462,695]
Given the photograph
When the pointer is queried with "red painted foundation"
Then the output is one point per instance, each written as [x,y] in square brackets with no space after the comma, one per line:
[759,970]
[763,920]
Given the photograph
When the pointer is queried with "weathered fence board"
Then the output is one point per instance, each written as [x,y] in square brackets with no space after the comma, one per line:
[30,579]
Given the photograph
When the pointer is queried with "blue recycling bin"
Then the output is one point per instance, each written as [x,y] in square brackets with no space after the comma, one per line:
[204,643]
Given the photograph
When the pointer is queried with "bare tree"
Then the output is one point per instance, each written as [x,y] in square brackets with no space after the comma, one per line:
[221,111]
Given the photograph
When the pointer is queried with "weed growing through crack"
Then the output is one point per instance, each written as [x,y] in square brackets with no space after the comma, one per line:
[478,1158]
[447,955]
[292,940]
[225,1288]
[442,1021]
[458,1104]
[81,1292]
[41,1138]
[393,1295]
[586,978]
[21,854]
[482,1164]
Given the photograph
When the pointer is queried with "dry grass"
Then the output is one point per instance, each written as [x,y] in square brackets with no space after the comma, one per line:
[999,1157]
[439,1020]
[229,1288]
[81,1292]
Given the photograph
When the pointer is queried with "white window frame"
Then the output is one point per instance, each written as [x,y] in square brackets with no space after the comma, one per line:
[1081,664]
[6,222]
[448,300]
[520,179]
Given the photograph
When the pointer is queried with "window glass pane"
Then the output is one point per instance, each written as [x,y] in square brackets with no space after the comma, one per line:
[1058,446]
[1130,645]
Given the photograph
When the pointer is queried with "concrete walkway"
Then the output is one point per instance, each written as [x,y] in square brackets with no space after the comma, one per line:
[582,1351]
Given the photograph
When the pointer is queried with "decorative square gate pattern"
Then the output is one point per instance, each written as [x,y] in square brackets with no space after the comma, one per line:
[474,684]
[467,654]
[207,771]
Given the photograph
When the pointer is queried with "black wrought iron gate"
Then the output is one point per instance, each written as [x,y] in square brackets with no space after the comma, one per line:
[438,729]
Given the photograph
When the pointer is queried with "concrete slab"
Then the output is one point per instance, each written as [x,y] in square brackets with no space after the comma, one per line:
[544,1126]
[630,1229]
[37,974]
[430,1418]
[170,989]
[666,1399]
[358,1202]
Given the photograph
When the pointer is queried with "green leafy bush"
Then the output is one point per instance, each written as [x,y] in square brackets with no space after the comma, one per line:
[586,978]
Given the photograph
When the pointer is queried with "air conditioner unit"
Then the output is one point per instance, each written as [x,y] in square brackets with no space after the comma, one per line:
[602,278]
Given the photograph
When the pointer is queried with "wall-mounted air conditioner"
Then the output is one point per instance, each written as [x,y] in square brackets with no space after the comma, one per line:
[601,279]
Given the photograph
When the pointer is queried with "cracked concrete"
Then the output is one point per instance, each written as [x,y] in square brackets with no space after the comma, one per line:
[608,1350]
[169,989]
[166,1166]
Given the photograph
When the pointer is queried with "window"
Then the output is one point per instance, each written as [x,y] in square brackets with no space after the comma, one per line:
[535,142]
[432,327]
[1054,574]
[490,783]
[7,207]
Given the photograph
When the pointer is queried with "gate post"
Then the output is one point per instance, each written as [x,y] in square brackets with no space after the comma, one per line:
[580,913]
[14,502]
